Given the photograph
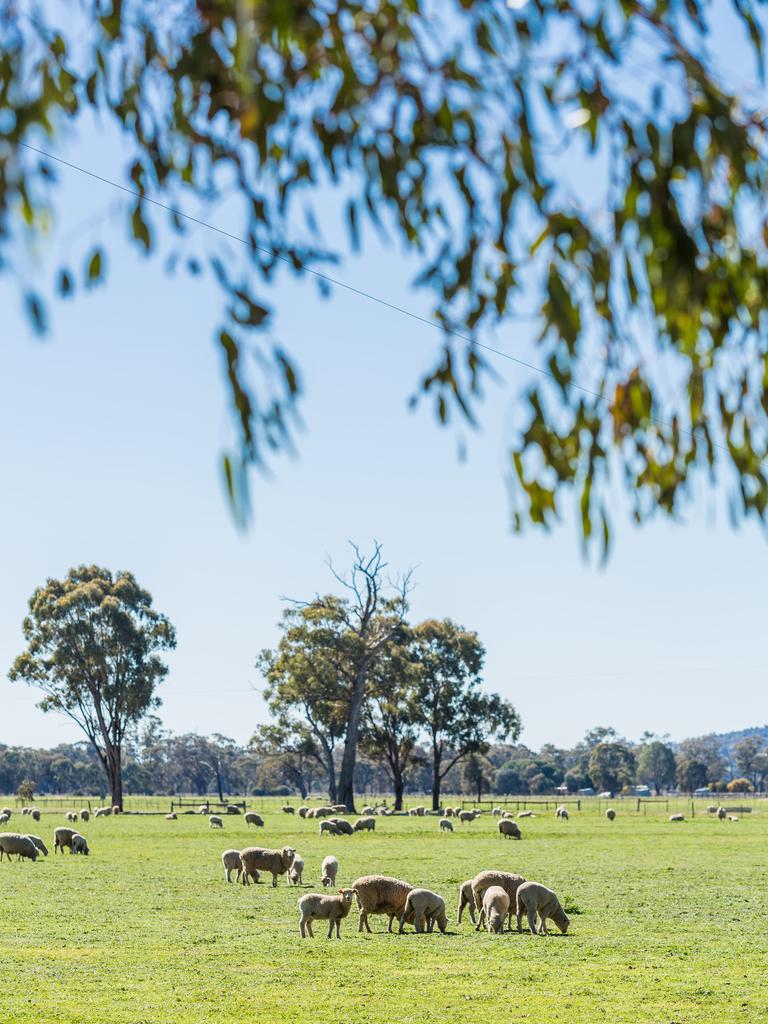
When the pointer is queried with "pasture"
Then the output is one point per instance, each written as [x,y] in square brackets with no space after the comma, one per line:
[667,925]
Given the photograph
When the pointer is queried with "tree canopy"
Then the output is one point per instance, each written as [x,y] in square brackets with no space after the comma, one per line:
[452,128]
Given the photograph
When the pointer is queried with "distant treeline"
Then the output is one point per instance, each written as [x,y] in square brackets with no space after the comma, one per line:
[157,762]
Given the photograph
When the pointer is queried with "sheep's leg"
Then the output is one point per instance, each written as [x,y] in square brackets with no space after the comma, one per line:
[531,914]
[480,920]
[461,909]
[303,927]
[274,880]
[389,925]
[362,924]
[543,924]
[402,923]
[472,913]
[309,927]
[520,919]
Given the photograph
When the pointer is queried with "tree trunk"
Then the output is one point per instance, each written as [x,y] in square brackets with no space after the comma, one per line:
[399,786]
[115,775]
[218,783]
[436,780]
[479,789]
[346,794]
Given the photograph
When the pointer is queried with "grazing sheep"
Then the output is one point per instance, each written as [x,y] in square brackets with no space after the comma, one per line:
[340,809]
[102,812]
[466,816]
[79,844]
[233,809]
[448,812]
[368,810]
[526,814]
[171,817]
[85,815]
[296,872]
[495,908]
[509,883]
[466,899]
[445,825]
[330,828]
[276,862]
[202,809]
[312,812]
[412,812]
[610,814]
[25,810]
[532,898]
[35,814]
[426,908]
[287,809]
[252,818]
[562,812]
[302,812]
[71,816]
[509,828]
[721,813]
[22,846]
[509,814]
[343,826]
[116,809]
[4,818]
[328,871]
[39,844]
[496,812]
[6,810]
[215,821]
[379,894]
[63,837]
[231,861]
[677,817]
[323,812]
[365,824]
[333,909]
[733,817]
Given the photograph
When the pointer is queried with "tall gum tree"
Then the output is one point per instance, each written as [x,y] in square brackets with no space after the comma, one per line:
[93,644]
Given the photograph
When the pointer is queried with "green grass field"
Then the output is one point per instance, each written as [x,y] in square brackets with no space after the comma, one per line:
[668,924]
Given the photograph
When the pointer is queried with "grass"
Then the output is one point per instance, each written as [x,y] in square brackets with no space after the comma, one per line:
[668,925]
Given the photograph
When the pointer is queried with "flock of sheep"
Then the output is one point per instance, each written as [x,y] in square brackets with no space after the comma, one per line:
[28,847]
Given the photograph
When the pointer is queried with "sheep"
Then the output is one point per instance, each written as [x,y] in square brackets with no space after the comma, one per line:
[171,817]
[496,812]
[328,871]
[343,826]
[721,813]
[362,824]
[4,818]
[445,825]
[22,846]
[63,837]
[39,844]
[296,872]
[312,812]
[677,817]
[532,897]
[368,810]
[6,810]
[252,818]
[466,816]
[712,809]
[421,811]
[333,909]
[35,814]
[426,908]
[340,809]
[610,814]
[302,812]
[25,810]
[287,809]
[102,812]
[85,815]
[733,817]
[202,809]
[466,899]
[79,844]
[116,809]
[510,829]
[231,861]
[562,812]
[379,894]
[509,883]
[233,809]
[71,816]
[412,812]
[323,812]
[527,814]
[495,908]
[215,821]
[448,812]
[330,828]
[276,862]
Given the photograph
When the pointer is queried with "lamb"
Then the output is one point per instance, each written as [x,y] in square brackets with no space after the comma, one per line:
[532,898]
[79,844]
[287,809]
[343,826]
[466,816]
[330,828]
[426,908]
[171,817]
[22,846]
[509,883]
[252,818]
[296,872]
[71,816]
[445,825]
[448,812]
[35,814]
[677,817]
[328,871]
[562,812]
[215,821]
[63,837]
[231,861]
[495,908]
[362,824]
[379,894]
[610,814]
[323,812]
[509,828]
[85,815]
[332,909]
[276,862]
[466,899]
[39,844]
[721,813]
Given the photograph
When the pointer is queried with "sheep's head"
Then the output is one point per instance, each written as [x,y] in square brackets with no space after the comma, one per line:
[562,921]
[348,894]
[288,854]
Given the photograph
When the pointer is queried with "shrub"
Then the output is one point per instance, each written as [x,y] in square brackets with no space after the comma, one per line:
[739,786]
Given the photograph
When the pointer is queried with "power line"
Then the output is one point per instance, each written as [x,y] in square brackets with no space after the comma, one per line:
[529,317]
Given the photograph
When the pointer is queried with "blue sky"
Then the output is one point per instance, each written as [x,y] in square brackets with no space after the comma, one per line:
[110,433]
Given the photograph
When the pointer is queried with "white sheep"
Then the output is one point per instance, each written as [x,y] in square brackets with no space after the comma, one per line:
[427,909]
[22,846]
[445,825]
[6,810]
[4,818]
[171,817]
[79,844]
[231,861]
[733,817]
[448,812]
[495,908]
[368,810]
[368,823]
[35,814]
[116,809]
[509,883]
[330,828]
[721,813]
[533,898]
[333,909]
[529,814]
[62,837]
[39,844]
[466,899]
[252,818]
[509,828]
[215,821]
[296,871]
[340,809]
[103,812]
[328,871]
[302,812]
[562,812]
[496,812]
[276,862]
[610,814]
[466,816]
[677,817]
[85,815]
[71,816]
[379,894]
